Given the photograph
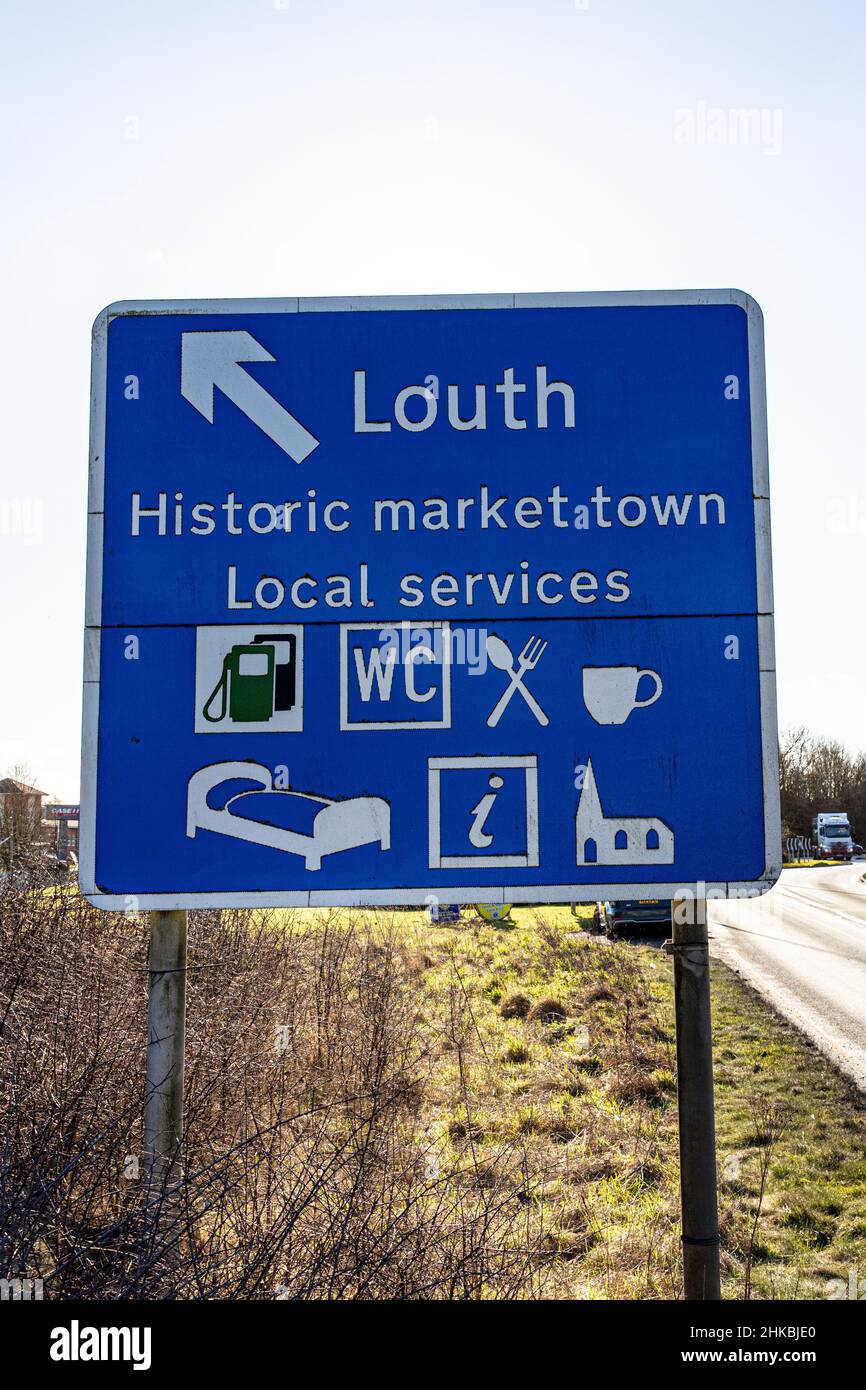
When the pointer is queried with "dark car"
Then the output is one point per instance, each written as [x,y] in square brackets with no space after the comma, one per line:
[643,912]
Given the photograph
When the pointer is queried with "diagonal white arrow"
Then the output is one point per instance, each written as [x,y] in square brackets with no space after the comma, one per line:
[213,359]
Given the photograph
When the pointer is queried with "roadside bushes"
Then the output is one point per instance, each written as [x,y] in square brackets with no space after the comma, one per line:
[307,1169]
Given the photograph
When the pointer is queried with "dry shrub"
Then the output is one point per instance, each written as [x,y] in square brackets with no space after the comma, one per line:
[547,1011]
[515,1006]
[306,1168]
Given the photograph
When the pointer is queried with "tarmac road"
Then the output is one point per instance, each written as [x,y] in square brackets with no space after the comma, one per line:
[803,947]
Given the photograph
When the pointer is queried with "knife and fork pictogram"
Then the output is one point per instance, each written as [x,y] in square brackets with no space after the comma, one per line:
[501,656]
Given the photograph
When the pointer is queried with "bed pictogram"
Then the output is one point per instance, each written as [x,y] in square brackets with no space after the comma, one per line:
[239,799]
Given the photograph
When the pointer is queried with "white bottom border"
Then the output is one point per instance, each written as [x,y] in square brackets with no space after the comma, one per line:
[542,894]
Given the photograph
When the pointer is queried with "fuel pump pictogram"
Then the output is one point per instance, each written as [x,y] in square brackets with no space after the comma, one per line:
[249,681]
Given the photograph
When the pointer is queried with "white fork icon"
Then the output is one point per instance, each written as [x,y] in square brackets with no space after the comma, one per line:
[500,654]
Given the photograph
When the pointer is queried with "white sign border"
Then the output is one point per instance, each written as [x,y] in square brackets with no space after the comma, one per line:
[421,895]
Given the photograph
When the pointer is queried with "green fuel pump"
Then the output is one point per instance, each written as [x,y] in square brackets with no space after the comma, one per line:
[245,689]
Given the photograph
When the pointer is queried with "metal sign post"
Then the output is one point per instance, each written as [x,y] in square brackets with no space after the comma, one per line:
[695,1099]
[166,1028]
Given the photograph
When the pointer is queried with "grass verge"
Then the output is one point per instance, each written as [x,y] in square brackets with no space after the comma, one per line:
[572,1045]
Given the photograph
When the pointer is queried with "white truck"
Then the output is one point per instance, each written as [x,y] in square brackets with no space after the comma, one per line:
[831,835]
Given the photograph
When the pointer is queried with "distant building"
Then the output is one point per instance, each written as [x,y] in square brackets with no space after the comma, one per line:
[19,794]
[618,839]
[20,812]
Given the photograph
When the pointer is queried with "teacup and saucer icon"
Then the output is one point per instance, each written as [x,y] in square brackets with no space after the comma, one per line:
[610,693]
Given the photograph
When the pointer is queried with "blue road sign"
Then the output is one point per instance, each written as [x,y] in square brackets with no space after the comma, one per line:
[400,600]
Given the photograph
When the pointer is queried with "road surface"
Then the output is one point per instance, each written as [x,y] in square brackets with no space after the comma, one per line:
[803,947]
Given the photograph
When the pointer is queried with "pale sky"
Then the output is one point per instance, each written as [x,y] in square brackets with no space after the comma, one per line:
[309,147]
